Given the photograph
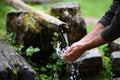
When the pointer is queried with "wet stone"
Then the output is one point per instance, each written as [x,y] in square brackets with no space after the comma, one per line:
[89,65]
[114,46]
[116,63]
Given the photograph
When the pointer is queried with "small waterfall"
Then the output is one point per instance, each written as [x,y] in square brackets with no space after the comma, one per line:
[58,49]
[65,37]
[74,71]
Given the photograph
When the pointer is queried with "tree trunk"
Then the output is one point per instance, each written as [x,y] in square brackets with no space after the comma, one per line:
[13,66]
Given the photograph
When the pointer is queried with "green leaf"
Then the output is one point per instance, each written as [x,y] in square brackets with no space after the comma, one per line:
[31,50]
[43,69]
[36,49]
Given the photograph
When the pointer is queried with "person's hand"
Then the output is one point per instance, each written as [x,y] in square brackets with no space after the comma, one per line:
[73,52]
[91,40]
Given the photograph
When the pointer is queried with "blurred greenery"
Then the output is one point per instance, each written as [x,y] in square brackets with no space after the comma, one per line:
[89,8]
[94,8]
[4,9]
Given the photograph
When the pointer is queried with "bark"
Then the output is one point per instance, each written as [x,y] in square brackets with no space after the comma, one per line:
[13,66]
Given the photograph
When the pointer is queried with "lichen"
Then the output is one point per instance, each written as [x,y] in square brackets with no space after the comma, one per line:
[30,23]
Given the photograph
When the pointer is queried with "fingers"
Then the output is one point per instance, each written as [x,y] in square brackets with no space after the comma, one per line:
[67,50]
[72,53]
[70,59]
[66,55]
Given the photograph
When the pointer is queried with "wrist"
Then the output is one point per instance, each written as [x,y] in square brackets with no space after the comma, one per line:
[82,46]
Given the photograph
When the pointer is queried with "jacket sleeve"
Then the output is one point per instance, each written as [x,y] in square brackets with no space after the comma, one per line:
[112,32]
[107,18]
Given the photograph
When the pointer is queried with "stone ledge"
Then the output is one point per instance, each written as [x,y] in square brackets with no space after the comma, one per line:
[114,46]
[116,63]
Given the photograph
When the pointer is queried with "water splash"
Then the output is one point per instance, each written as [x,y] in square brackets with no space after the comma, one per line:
[74,71]
[74,75]
[59,51]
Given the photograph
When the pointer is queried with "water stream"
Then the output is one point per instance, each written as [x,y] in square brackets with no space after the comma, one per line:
[74,71]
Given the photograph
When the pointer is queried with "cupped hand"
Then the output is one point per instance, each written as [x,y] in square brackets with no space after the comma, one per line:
[73,52]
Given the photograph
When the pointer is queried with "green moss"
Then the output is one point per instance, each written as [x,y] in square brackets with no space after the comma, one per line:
[31,22]
[15,72]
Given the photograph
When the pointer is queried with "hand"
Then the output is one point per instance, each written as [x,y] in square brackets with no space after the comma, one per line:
[73,52]
[91,40]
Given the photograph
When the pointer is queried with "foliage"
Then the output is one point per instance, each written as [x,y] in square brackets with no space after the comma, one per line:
[10,38]
[107,66]
[4,9]
[30,50]
[107,69]
[54,69]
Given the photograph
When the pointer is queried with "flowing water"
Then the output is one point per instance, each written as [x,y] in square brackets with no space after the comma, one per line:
[75,75]
[74,71]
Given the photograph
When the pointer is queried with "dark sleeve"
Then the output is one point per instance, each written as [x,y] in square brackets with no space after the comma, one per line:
[112,32]
[107,18]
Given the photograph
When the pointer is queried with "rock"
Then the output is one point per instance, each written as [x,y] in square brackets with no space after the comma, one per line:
[89,65]
[116,63]
[13,66]
[114,46]
[70,13]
